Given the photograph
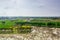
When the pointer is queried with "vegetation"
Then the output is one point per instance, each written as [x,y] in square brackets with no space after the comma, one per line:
[20,25]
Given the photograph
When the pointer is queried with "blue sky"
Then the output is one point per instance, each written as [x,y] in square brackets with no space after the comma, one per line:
[29,7]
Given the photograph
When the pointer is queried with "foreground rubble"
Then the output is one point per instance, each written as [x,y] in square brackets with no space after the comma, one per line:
[38,33]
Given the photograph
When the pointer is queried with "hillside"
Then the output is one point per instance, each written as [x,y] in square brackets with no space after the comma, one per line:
[37,33]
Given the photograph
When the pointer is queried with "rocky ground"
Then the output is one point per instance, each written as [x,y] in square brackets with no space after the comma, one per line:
[38,33]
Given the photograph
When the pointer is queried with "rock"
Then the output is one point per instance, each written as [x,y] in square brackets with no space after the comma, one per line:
[55,33]
[33,31]
[40,33]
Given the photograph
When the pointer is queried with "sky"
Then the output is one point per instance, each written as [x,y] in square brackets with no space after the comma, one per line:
[29,7]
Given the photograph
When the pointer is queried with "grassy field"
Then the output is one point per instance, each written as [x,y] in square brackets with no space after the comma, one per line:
[19,26]
[40,22]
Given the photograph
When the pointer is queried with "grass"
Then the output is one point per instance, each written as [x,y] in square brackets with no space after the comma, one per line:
[12,23]
[25,26]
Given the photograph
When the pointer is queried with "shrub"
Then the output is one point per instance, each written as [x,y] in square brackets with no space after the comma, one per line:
[51,24]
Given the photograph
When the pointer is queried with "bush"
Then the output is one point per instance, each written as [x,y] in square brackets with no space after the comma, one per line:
[58,24]
[25,27]
[51,24]
[42,24]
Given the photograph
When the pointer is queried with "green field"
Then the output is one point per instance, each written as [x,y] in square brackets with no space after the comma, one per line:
[34,22]
[19,25]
